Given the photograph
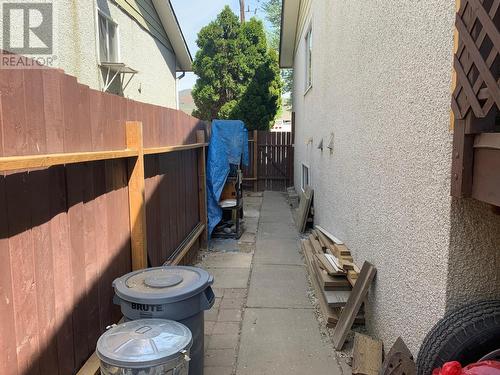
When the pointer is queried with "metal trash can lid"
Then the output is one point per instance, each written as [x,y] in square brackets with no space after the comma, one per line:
[143,343]
[162,285]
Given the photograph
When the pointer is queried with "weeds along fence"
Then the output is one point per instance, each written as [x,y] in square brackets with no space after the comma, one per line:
[92,185]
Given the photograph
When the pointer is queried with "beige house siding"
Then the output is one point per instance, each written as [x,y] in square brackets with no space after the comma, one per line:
[381,85]
[144,12]
[76,38]
[304,15]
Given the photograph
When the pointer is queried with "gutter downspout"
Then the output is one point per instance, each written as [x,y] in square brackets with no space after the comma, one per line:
[177,104]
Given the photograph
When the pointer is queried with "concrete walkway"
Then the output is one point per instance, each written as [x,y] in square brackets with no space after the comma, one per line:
[272,328]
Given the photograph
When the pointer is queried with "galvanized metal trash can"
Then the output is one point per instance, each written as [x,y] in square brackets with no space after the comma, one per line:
[178,293]
[145,347]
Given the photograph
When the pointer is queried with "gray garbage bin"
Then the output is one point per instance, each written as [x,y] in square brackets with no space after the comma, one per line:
[178,293]
[145,347]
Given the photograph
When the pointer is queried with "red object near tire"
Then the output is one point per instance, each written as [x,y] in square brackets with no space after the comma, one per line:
[479,368]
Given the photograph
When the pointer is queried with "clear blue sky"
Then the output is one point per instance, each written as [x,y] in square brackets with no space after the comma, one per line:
[194,14]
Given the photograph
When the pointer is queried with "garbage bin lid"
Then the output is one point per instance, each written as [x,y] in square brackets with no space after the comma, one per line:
[143,343]
[162,285]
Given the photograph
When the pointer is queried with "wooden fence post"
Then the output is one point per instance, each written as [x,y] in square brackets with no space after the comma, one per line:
[255,160]
[202,190]
[137,196]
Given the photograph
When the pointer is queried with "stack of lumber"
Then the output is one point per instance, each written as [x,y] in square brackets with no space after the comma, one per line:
[333,274]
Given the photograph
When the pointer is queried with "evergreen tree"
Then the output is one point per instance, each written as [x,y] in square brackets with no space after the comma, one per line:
[272,9]
[238,76]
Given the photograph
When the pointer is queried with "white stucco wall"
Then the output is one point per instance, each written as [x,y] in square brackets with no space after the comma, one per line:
[381,84]
[77,51]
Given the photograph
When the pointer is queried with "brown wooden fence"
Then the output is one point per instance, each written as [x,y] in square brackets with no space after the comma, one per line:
[476,102]
[271,161]
[72,210]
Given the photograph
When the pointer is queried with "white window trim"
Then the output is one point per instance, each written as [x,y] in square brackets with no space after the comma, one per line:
[302,186]
[308,69]
[98,46]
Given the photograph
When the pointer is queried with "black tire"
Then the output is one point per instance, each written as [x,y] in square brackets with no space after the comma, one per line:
[464,335]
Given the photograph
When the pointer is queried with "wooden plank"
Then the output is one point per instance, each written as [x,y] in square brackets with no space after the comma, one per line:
[342,250]
[61,252]
[136,193]
[202,189]
[331,318]
[91,266]
[336,298]
[462,161]
[331,268]
[167,149]
[315,244]
[352,276]
[8,356]
[366,355]
[329,235]
[353,305]
[13,113]
[304,207]
[22,264]
[76,215]
[101,242]
[11,163]
[335,262]
[44,269]
[91,367]
[188,243]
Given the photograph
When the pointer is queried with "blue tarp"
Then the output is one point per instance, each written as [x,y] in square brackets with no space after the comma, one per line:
[228,145]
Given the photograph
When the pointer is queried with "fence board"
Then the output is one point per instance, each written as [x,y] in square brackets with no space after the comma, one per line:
[8,364]
[23,273]
[59,230]
[44,269]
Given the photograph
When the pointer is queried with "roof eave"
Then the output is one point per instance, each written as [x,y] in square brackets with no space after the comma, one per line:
[172,28]
[289,18]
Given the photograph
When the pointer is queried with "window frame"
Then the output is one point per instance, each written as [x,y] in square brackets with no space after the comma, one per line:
[308,59]
[109,20]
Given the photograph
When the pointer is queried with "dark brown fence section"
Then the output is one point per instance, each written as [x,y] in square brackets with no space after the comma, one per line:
[271,161]
[475,102]
[65,229]
[172,202]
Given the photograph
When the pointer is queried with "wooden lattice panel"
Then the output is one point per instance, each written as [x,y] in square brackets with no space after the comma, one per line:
[476,59]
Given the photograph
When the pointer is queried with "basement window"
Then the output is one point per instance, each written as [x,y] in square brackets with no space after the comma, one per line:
[108,39]
[305,177]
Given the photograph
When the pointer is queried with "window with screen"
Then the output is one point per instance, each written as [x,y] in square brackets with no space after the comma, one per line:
[108,39]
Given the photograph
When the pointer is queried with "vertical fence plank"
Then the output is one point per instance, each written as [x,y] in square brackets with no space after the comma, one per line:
[76,214]
[33,86]
[8,355]
[61,253]
[202,192]
[53,111]
[91,261]
[23,275]
[44,269]
[136,193]
[101,244]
